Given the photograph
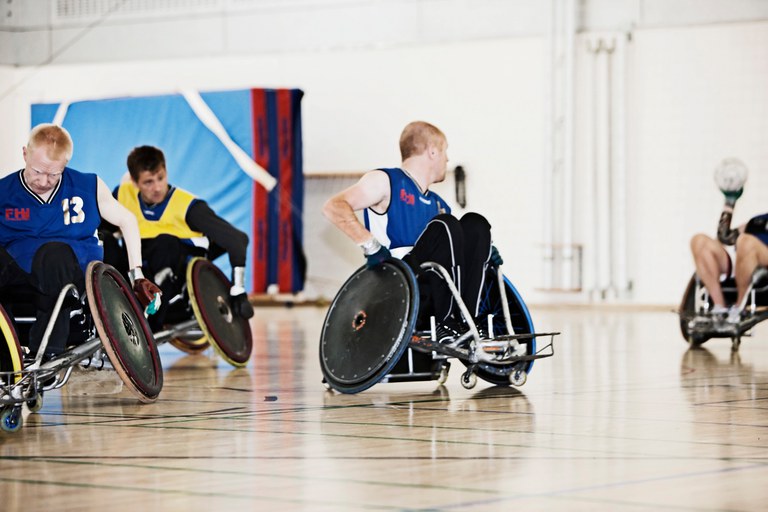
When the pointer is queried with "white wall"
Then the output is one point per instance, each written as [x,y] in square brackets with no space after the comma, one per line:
[14,111]
[696,96]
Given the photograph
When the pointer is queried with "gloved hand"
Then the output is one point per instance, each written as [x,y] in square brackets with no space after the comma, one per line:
[732,195]
[496,258]
[377,258]
[241,306]
[147,293]
[375,253]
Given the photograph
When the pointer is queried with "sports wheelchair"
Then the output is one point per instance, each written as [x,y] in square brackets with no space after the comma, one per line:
[202,316]
[370,333]
[698,325]
[110,325]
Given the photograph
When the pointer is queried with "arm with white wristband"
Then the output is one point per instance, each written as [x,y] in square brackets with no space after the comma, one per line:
[375,253]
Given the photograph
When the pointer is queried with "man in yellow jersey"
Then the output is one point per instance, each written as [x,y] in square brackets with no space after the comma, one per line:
[175,226]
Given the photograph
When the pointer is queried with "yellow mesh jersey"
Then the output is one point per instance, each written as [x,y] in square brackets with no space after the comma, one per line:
[171,217]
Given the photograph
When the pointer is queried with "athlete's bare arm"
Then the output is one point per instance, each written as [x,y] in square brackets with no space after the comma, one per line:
[371,191]
[117,214]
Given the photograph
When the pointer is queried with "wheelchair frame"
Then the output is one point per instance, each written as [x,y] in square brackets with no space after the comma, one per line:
[496,358]
[27,384]
[697,325]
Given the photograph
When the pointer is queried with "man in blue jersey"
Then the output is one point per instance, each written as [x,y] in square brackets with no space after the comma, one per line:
[404,219]
[713,262]
[175,226]
[49,215]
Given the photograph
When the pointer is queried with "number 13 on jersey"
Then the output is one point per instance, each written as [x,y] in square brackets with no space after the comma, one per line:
[73,210]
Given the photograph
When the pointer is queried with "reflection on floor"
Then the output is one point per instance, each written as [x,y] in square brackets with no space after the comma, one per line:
[623,417]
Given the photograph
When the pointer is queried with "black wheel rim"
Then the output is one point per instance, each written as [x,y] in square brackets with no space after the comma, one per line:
[368,326]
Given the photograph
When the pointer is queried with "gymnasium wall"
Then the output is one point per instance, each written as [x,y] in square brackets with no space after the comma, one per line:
[695,95]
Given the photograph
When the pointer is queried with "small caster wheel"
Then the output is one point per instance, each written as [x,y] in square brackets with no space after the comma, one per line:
[518,377]
[468,380]
[326,385]
[443,378]
[735,342]
[35,404]
[10,419]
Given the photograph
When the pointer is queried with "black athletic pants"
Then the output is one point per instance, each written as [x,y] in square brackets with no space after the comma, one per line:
[54,266]
[463,247]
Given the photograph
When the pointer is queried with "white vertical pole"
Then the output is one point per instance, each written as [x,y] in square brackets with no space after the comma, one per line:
[602,168]
[619,196]
[547,177]
[590,197]
[569,32]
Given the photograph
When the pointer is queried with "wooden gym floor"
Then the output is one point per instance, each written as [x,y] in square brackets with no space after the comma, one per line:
[623,418]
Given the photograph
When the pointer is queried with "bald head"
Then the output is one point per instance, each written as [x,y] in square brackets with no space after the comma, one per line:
[418,136]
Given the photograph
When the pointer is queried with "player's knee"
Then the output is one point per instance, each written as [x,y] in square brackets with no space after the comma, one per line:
[474,221]
[447,220]
[700,243]
[747,244]
[166,241]
[54,254]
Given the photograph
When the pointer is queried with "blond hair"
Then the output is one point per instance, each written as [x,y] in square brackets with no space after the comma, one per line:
[417,136]
[55,138]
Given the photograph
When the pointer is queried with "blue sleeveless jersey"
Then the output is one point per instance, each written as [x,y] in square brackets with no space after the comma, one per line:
[406,217]
[70,215]
[758,226]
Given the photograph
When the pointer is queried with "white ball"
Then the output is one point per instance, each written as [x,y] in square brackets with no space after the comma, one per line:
[731,174]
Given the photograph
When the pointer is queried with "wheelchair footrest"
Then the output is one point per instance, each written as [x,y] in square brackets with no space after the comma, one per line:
[707,325]
[490,351]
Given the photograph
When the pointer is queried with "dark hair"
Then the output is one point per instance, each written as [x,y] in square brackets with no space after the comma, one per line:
[145,158]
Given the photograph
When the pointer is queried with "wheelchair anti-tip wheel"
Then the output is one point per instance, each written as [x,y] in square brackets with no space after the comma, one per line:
[229,334]
[468,379]
[368,326]
[11,419]
[520,318]
[124,332]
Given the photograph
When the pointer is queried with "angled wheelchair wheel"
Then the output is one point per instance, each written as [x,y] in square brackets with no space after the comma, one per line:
[491,304]
[229,334]
[124,332]
[11,359]
[687,311]
[368,326]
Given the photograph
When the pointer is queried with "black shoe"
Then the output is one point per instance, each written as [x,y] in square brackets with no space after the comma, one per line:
[450,330]
[242,306]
